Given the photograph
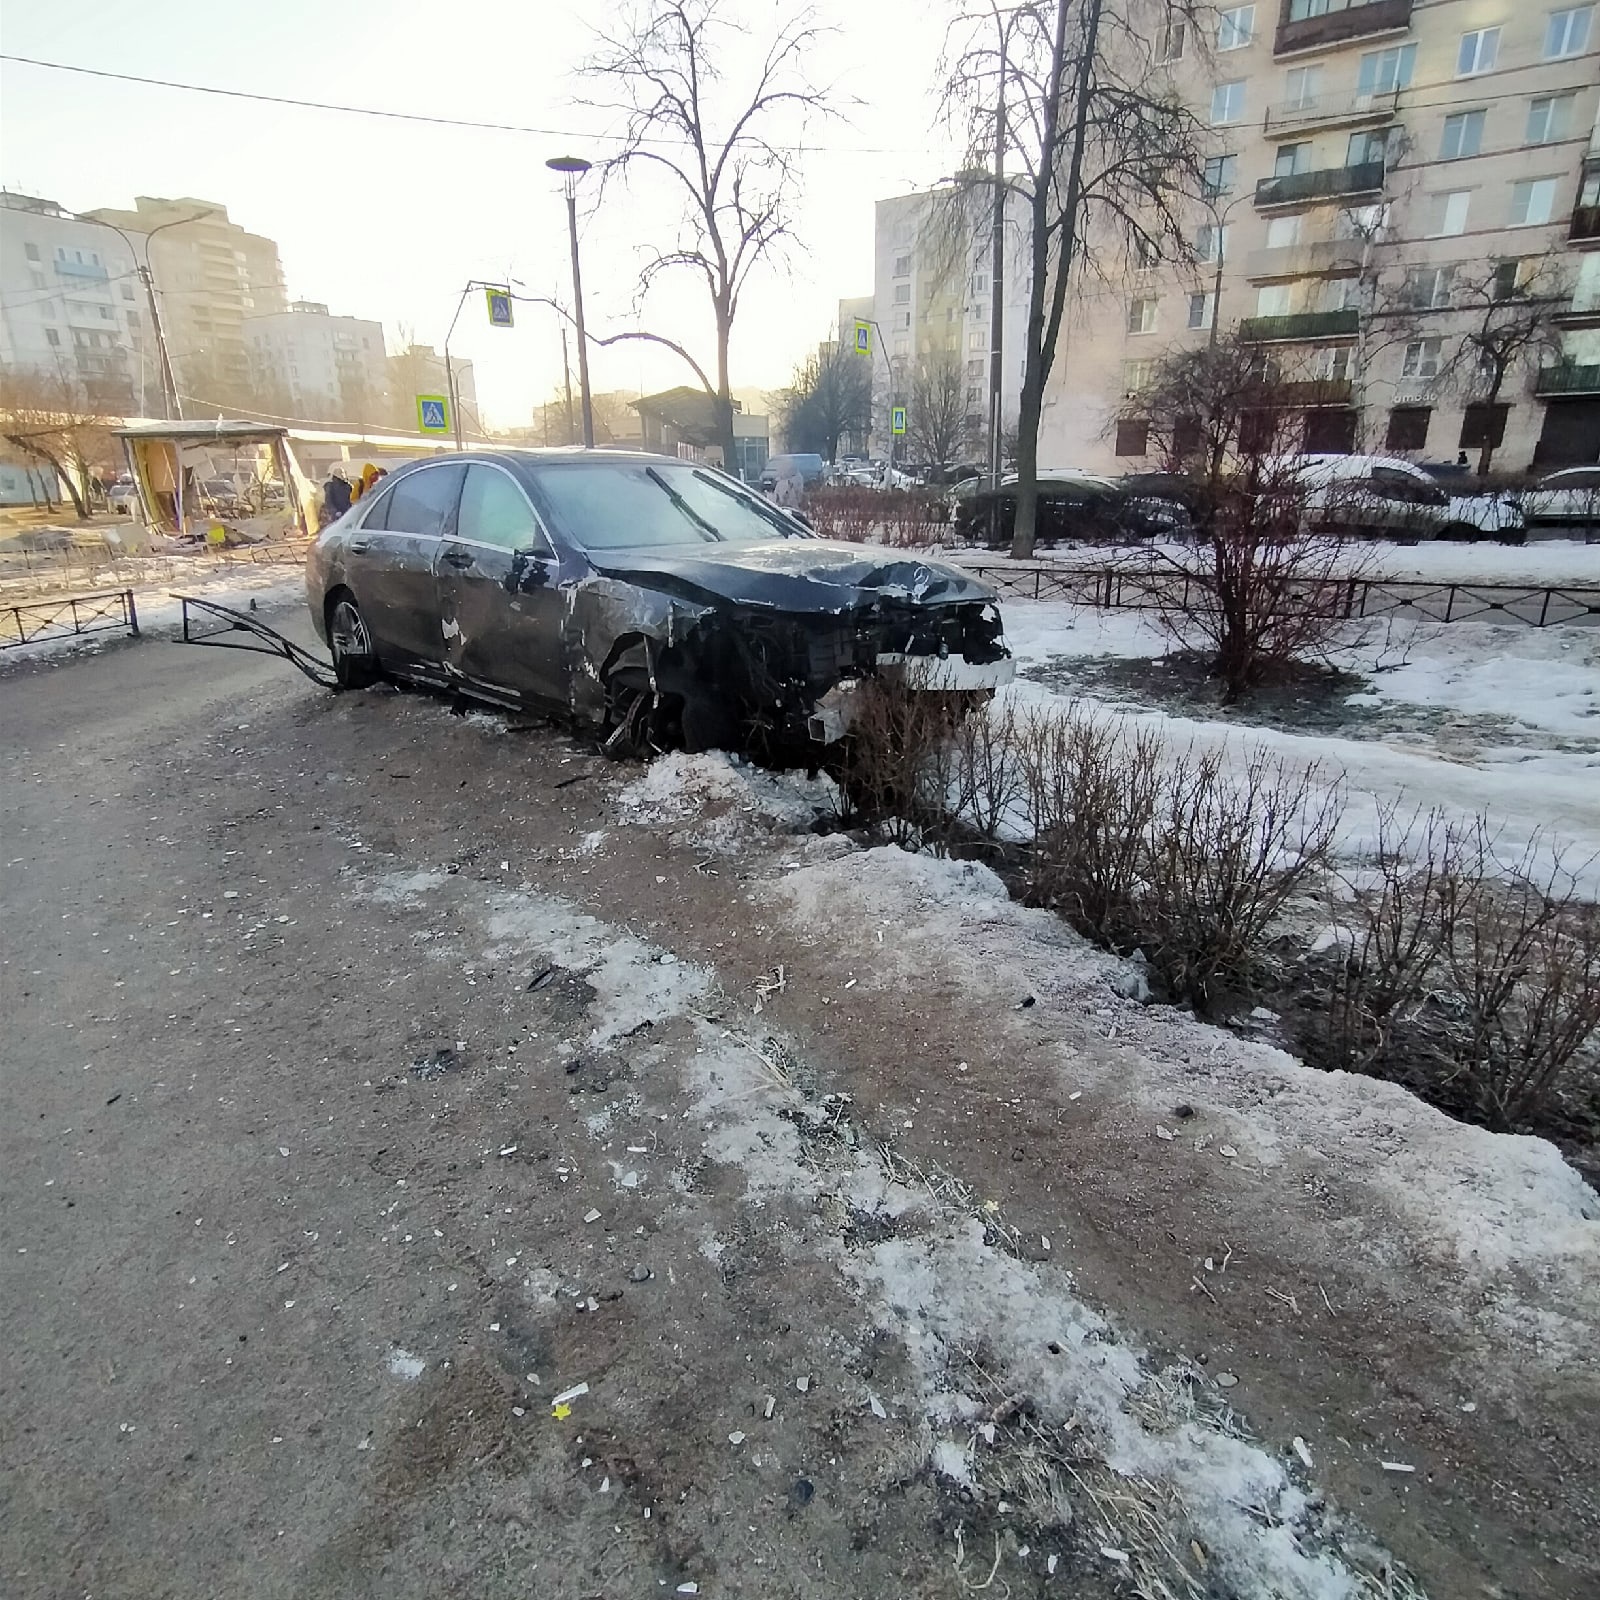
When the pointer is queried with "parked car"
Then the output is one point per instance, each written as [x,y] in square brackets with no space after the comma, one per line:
[658,600]
[1564,505]
[123,496]
[1384,497]
[1072,505]
[812,472]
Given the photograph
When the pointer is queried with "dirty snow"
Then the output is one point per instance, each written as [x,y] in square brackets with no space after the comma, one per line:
[724,801]
[402,1364]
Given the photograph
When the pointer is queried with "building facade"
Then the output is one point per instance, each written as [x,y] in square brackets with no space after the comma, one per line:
[1390,186]
[419,369]
[932,294]
[315,367]
[73,309]
[210,275]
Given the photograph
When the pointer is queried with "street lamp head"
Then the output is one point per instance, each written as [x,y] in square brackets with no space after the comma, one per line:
[571,165]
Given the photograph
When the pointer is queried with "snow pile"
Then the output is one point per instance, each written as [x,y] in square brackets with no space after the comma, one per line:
[1451,1194]
[725,801]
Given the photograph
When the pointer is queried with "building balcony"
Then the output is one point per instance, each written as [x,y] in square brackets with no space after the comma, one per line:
[1366,177]
[1301,325]
[1568,377]
[81,271]
[1585,227]
[1333,27]
[1314,259]
[1332,111]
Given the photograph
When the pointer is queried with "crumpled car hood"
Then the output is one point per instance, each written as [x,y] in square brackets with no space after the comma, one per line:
[817,575]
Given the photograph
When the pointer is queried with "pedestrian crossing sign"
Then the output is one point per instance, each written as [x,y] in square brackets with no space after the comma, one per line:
[433,413]
[897,420]
[499,303]
[863,338]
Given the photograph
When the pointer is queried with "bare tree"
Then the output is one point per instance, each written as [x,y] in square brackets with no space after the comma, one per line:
[937,426]
[56,423]
[1109,155]
[714,149]
[1261,589]
[830,400]
[1512,323]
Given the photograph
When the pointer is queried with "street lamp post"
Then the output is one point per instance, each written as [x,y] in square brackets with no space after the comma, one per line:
[171,405]
[571,168]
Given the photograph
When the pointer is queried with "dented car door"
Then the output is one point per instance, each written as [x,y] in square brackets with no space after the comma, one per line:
[500,604]
[391,560]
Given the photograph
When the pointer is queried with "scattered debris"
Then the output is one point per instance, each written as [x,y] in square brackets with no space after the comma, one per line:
[543,980]
[402,1364]
[436,1064]
[1226,1380]
[802,1384]
[640,1274]
[567,1396]
[1163,1133]
[877,1406]
[736,1438]
[1302,1450]
[772,1405]
[1396,1466]
[591,1216]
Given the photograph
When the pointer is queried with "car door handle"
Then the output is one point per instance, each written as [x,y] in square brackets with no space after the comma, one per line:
[359,545]
[458,558]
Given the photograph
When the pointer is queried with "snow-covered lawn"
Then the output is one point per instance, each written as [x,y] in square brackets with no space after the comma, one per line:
[1519,741]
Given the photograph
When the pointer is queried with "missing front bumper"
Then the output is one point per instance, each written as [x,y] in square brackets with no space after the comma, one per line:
[835,713]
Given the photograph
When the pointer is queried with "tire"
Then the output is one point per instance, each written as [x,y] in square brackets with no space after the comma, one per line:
[355,661]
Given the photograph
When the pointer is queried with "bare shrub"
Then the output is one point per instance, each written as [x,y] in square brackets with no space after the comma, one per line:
[989,773]
[841,513]
[900,518]
[899,765]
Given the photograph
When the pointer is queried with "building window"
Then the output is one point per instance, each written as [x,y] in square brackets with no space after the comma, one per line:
[1330,363]
[972,394]
[1370,144]
[1567,32]
[1302,86]
[1274,300]
[1550,118]
[1283,232]
[1511,276]
[902,347]
[1290,159]
[902,266]
[1227,102]
[902,319]
[1463,135]
[1171,46]
[52,338]
[1427,288]
[1211,242]
[31,251]
[1532,201]
[980,313]
[1408,428]
[1200,310]
[976,341]
[980,283]
[902,294]
[1136,375]
[1422,358]
[1142,314]
[1133,436]
[1236,27]
[974,369]
[1383,71]
[1479,51]
[1447,213]
[133,319]
[1484,423]
[949,315]
[1219,174]
[107,314]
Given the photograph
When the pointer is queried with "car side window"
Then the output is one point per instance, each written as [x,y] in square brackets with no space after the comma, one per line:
[424,502]
[494,510]
[376,512]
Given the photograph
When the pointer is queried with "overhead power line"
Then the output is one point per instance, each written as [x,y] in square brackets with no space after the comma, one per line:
[573,134]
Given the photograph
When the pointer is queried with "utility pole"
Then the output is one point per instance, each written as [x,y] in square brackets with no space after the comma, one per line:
[997,273]
[566,370]
[571,168]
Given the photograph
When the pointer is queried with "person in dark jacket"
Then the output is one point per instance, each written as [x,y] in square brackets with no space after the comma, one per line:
[336,494]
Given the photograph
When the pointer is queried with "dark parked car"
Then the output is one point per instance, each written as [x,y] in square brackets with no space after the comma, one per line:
[1072,505]
[661,601]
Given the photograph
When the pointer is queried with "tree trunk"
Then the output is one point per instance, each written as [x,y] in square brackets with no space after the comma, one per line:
[724,407]
[1486,449]
[28,447]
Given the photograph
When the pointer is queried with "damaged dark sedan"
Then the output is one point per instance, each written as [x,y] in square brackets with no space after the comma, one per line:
[656,600]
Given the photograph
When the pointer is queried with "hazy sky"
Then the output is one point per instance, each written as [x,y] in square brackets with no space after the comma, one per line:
[387,220]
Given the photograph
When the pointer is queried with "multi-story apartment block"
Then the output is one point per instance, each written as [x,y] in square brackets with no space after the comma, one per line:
[1384,178]
[210,275]
[319,368]
[932,298]
[72,307]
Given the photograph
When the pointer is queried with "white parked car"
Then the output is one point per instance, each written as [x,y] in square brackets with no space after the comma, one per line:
[1566,505]
[1384,497]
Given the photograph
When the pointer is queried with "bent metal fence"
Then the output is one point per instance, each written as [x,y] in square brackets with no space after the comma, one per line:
[1151,589]
[61,619]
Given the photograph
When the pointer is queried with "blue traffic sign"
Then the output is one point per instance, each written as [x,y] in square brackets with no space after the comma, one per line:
[433,413]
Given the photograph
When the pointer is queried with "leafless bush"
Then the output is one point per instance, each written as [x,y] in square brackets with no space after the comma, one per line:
[990,776]
[900,518]
[1472,979]
[899,763]
[841,513]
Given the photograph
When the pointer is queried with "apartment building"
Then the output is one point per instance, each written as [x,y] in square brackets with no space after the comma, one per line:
[419,369]
[72,307]
[315,367]
[1385,178]
[932,297]
[210,275]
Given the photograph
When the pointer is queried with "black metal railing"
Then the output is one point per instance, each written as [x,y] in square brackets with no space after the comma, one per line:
[1300,325]
[1364,177]
[35,620]
[1137,588]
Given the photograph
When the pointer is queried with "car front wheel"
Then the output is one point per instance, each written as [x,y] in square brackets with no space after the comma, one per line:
[355,663]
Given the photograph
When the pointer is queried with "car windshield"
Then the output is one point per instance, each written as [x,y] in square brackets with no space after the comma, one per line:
[614,505]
